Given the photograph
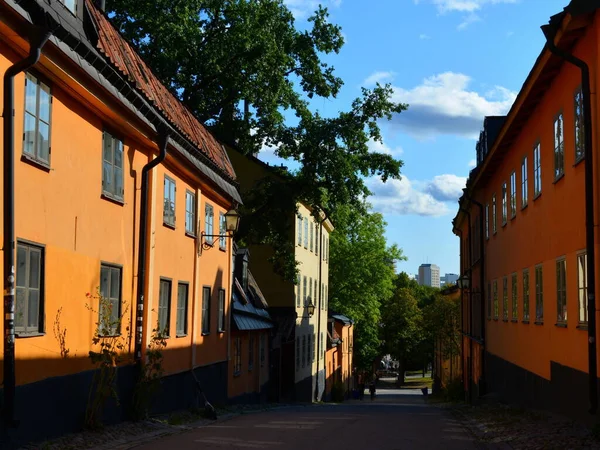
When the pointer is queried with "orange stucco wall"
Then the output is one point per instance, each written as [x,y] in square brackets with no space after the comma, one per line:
[338,362]
[248,380]
[550,227]
[62,209]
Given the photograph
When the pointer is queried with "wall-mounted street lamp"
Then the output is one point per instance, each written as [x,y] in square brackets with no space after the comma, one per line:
[464,282]
[310,310]
[232,222]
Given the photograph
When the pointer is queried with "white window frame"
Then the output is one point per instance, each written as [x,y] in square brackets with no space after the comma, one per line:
[524,186]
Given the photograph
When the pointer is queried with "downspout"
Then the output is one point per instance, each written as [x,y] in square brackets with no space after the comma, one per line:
[470,307]
[320,305]
[550,32]
[163,139]
[482,281]
[39,36]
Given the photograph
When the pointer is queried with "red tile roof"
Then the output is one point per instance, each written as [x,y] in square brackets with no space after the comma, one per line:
[129,63]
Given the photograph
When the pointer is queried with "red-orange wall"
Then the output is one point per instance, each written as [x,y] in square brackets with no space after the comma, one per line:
[248,381]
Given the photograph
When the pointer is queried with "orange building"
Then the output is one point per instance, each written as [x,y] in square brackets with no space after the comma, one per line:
[447,365]
[250,336]
[116,185]
[338,358]
[527,224]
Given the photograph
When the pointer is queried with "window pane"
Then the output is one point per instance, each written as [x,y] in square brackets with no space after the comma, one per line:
[107,151]
[115,280]
[118,149]
[107,178]
[20,307]
[34,268]
[33,309]
[29,134]
[105,282]
[43,142]
[71,4]
[44,113]
[21,266]
[31,95]
[118,181]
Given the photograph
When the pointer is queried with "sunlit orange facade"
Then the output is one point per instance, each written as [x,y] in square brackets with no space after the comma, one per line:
[522,224]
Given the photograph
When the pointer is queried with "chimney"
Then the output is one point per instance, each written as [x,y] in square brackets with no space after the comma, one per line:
[101,5]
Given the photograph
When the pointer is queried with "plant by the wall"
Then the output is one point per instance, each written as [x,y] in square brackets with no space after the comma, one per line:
[113,345]
[151,371]
[61,335]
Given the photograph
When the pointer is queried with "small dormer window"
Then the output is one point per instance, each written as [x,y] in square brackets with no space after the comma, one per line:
[71,5]
[245,275]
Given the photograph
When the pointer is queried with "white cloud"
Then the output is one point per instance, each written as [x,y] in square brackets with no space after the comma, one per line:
[472,163]
[509,33]
[400,197]
[443,104]
[378,77]
[468,20]
[468,6]
[379,147]
[446,188]
[424,36]
[304,8]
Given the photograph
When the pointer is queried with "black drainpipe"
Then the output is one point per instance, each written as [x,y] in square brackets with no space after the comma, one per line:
[482,285]
[550,33]
[470,307]
[38,37]
[320,305]
[163,139]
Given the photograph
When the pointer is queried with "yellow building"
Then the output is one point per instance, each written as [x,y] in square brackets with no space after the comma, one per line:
[298,349]
[90,122]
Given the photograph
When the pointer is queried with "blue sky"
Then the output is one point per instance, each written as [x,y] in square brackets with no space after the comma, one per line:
[453,62]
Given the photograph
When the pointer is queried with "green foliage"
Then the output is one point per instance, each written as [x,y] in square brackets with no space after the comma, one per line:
[112,351]
[150,375]
[60,334]
[442,324]
[361,276]
[237,64]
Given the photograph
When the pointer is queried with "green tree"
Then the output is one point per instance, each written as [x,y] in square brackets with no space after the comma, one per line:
[361,276]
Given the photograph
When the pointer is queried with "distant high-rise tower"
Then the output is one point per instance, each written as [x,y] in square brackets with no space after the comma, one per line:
[429,275]
[449,278]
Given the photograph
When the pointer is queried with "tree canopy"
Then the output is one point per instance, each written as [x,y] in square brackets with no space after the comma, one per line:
[361,276]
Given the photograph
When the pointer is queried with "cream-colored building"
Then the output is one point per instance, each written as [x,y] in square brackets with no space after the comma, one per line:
[297,350]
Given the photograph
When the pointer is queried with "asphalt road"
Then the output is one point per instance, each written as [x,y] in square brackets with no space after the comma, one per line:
[396,419]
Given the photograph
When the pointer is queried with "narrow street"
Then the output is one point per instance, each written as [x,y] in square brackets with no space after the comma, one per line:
[396,419]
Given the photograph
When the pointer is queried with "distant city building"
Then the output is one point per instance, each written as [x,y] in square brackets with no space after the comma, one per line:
[449,278]
[429,275]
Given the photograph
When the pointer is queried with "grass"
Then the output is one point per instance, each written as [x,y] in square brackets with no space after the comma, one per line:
[417,383]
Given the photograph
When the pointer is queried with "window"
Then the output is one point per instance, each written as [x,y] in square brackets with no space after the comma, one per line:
[504,203]
[524,192]
[303,351]
[487,220]
[326,297]
[494,228]
[29,303]
[579,126]
[513,194]
[262,350]
[36,127]
[112,167]
[537,171]
[314,349]
[310,292]
[316,239]
[316,293]
[251,353]
[190,213]
[489,300]
[312,237]
[559,147]
[71,5]
[110,306]
[222,231]
[169,204]
[561,291]
[299,291]
[308,350]
[496,300]
[526,295]
[505,298]
[305,290]
[237,356]
[221,324]
[539,295]
[515,299]
[208,223]
[582,286]
[297,353]
[182,309]
[321,353]
[245,274]
[305,232]
[164,306]
[206,310]
[299,226]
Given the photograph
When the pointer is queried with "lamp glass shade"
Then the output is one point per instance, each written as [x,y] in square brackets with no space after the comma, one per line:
[232,220]
[310,309]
